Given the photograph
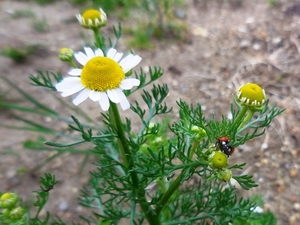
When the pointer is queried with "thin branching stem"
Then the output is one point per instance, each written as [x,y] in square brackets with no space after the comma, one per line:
[126,153]
[96,36]
[240,116]
[246,119]
[167,195]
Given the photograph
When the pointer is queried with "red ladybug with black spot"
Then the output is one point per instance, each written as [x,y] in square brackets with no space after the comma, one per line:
[224,145]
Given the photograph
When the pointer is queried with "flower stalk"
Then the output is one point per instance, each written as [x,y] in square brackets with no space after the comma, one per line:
[246,119]
[97,37]
[127,157]
[239,119]
[251,97]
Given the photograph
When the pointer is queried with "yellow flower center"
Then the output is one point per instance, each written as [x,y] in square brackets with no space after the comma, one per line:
[91,14]
[102,74]
[92,19]
[251,94]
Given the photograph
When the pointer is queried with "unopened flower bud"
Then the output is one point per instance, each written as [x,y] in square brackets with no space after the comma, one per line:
[66,54]
[218,160]
[8,200]
[16,213]
[199,132]
[251,95]
[6,213]
[92,19]
[224,175]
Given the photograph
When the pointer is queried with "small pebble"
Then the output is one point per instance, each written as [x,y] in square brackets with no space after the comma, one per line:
[181,14]
[63,205]
[256,46]
[79,208]
[250,20]
[11,173]
[277,40]
[292,219]
[258,209]
[229,115]
[242,29]
[265,146]
[293,172]
[296,206]
[245,44]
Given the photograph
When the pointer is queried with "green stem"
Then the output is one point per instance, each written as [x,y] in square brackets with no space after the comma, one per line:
[97,37]
[162,184]
[41,206]
[173,187]
[246,119]
[192,152]
[73,64]
[122,142]
[151,215]
[240,116]
[167,195]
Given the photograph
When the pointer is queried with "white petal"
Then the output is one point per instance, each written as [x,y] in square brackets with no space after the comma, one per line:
[118,56]
[126,60]
[128,83]
[75,72]
[94,96]
[98,52]
[111,53]
[124,104]
[81,58]
[104,102]
[115,95]
[67,83]
[129,62]
[81,97]
[89,52]
[72,90]
[78,16]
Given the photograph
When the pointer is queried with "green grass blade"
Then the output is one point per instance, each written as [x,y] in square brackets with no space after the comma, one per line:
[25,109]
[37,127]
[30,97]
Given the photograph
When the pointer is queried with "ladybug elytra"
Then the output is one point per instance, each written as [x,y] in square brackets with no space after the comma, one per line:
[224,145]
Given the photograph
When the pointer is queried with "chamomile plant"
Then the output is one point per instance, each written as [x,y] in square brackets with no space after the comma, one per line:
[160,173]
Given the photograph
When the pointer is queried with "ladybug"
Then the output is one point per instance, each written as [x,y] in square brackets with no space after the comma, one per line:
[224,145]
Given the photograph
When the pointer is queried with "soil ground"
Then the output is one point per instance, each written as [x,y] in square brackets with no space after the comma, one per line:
[229,43]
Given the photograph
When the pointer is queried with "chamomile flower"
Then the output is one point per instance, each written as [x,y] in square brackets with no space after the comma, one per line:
[102,78]
[251,95]
[92,19]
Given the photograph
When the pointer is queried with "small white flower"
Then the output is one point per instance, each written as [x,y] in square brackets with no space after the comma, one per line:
[101,79]
[92,18]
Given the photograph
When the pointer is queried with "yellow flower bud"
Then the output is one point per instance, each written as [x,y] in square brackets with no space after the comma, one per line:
[92,19]
[16,213]
[199,133]
[8,200]
[66,54]
[6,213]
[218,160]
[224,175]
[251,95]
